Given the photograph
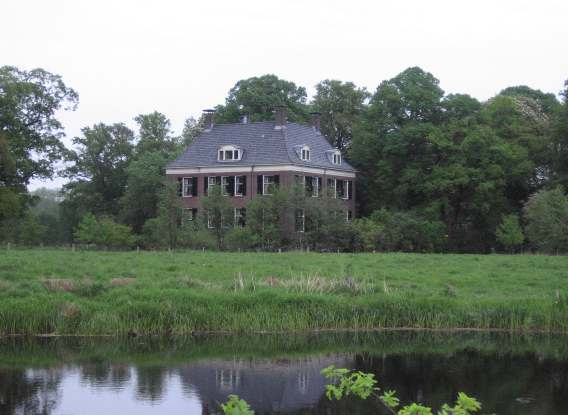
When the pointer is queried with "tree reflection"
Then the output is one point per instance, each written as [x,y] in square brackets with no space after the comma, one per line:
[24,392]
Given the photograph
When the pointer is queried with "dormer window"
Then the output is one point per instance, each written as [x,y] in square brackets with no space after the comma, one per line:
[336,157]
[229,153]
[305,153]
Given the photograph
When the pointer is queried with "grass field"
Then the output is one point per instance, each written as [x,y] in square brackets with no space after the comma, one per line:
[90,292]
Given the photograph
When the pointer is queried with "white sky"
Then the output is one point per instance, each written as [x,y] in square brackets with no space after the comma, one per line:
[178,57]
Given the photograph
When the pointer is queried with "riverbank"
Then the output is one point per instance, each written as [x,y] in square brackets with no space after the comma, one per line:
[121,293]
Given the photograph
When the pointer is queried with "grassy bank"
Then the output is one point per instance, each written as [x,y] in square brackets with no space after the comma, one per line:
[64,292]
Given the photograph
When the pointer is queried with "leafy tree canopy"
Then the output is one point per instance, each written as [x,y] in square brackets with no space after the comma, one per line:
[256,98]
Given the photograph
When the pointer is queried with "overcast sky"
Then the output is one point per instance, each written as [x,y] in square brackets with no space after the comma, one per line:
[178,57]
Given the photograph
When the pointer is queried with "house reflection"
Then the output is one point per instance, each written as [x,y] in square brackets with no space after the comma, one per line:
[269,386]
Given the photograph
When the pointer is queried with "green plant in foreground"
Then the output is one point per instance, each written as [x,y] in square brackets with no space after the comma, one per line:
[364,385]
[347,382]
[236,406]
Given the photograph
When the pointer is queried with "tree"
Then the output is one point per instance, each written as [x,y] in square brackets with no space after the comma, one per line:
[155,135]
[340,103]
[31,231]
[546,215]
[99,167]
[509,233]
[30,134]
[256,98]
[390,146]
[104,232]
[145,179]
[155,147]
[267,217]
[170,211]
[326,223]
[191,129]
[218,213]
[560,142]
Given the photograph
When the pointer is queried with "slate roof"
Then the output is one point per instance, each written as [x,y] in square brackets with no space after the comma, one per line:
[261,145]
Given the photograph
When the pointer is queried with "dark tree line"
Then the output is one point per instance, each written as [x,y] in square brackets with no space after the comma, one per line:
[437,172]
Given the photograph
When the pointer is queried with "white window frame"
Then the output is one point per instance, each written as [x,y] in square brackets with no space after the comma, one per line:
[334,181]
[225,185]
[187,215]
[184,186]
[336,157]
[238,216]
[303,216]
[305,153]
[266,184]
[234,151]
[237,186]
[347,218]
[315,186]
[345,190]
[209,224]
[210,183]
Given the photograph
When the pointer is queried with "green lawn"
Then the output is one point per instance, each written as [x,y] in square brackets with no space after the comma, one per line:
[56,291]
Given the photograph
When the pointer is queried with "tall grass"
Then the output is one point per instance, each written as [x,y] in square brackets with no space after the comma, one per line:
[43,291]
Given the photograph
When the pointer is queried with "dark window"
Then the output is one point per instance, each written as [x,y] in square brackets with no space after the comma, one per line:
[340,188]
[189,186]
[331,187]
[269,183]
[240,217]
[350,190]
[228,185]
[212,181]
[240,185]
[300,220]
[309,185]
[179,186]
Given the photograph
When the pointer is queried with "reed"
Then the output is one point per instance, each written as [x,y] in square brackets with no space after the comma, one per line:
[187,292]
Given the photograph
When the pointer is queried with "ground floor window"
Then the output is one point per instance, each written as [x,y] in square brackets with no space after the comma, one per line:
[349,216]
[189,215]
[240,217]
[300,220]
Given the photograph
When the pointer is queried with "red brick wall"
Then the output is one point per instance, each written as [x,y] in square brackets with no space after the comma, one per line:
[286,181]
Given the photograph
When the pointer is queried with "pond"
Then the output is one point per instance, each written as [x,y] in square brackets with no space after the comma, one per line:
[509,373]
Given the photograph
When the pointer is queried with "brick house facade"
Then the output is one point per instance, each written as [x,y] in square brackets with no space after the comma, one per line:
[245,159]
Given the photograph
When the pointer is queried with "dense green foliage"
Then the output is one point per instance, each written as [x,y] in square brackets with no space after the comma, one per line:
[437,172]
[345,383]
[93,292]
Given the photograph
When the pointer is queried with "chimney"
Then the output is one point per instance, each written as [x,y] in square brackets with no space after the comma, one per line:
[245,119]
[208,116]
[280,113]
[316,117]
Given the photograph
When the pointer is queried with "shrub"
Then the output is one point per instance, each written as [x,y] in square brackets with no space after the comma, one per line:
[104,232]
[240,238]
[546,214]
[509,233]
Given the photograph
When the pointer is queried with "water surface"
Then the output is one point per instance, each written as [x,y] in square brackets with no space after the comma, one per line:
[508,373]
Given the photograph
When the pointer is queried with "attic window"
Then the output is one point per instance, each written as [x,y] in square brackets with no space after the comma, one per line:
[336,157]
[305,153]
[229,153]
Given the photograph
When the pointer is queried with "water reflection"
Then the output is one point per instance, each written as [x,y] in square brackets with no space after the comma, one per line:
[510,375]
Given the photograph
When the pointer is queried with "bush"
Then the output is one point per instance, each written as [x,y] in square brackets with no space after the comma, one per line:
[546,215]
[388,230]
[104,233]
[509,232]
[240,238]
